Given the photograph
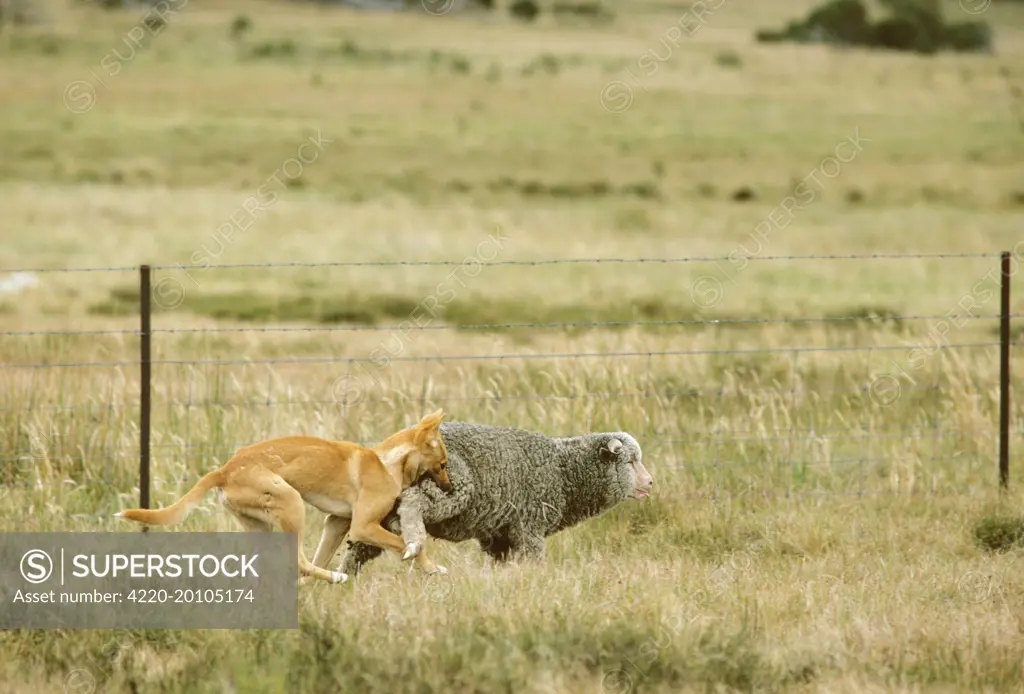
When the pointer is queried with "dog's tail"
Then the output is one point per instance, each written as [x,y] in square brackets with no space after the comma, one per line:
[176,512]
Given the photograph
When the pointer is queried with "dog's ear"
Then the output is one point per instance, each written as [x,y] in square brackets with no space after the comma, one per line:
[432,421]
[427,428]
[610,450]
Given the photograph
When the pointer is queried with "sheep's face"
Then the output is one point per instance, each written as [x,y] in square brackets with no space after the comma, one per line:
[629,476]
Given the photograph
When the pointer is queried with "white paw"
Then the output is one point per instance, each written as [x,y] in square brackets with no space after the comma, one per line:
[438,569]
[117,515]
[411,550]
[338,577]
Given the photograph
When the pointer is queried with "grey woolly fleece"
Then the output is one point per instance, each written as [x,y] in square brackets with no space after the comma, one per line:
[511,489]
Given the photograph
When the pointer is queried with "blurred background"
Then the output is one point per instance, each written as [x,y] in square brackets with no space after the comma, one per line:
[570,216]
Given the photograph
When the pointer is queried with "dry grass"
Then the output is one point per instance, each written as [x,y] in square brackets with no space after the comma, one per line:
[802,538]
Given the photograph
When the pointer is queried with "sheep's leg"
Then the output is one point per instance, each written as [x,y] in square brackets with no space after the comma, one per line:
[414,531]
[527,545]
[498,547]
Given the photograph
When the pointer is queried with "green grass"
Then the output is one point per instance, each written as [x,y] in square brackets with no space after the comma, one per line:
[1000,533]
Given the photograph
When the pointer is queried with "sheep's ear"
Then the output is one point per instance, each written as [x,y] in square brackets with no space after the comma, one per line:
[610,451]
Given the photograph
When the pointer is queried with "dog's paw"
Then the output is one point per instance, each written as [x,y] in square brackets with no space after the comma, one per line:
[411,550]
[440,570]
[339,577]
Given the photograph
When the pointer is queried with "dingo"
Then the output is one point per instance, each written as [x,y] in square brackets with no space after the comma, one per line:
[264,485]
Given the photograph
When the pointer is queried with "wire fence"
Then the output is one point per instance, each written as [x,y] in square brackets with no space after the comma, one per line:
[176,376]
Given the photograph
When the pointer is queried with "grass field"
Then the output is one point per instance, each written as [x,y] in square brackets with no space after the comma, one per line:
[825,515]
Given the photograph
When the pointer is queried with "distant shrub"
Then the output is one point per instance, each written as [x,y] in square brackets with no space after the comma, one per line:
[546,64]
[240,26]
[966,37]
[284,48]
[526,10]
[912,25]
[110,4]
[154,22]
[728,59]
[445,7]
[453,62]
[593,11]
[744,194]
[460,65]
[706,190]
[854,196]
[999,533]
[643,189]
[350,50]
[838,21]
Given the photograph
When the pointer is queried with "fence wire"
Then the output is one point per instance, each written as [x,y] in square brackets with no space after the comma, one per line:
[718,403]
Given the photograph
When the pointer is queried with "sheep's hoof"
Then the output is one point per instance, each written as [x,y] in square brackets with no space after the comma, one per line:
[411,550]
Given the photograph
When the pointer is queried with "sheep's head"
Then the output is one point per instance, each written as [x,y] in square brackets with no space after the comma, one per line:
[630,477]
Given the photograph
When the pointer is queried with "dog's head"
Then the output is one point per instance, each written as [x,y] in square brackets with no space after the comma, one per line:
[428,455]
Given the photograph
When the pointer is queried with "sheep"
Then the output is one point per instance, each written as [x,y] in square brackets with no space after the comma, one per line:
[511,489]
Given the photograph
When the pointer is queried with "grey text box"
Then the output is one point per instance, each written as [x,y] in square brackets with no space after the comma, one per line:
[154,580]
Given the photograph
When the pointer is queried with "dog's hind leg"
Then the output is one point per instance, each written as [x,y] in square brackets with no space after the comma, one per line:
[265,497]
[335,529]
[253,525]
[291,516]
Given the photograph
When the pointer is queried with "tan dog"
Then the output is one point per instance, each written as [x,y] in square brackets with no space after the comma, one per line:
[264,485]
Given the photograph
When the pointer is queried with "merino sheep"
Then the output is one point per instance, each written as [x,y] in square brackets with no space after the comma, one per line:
[511,489]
